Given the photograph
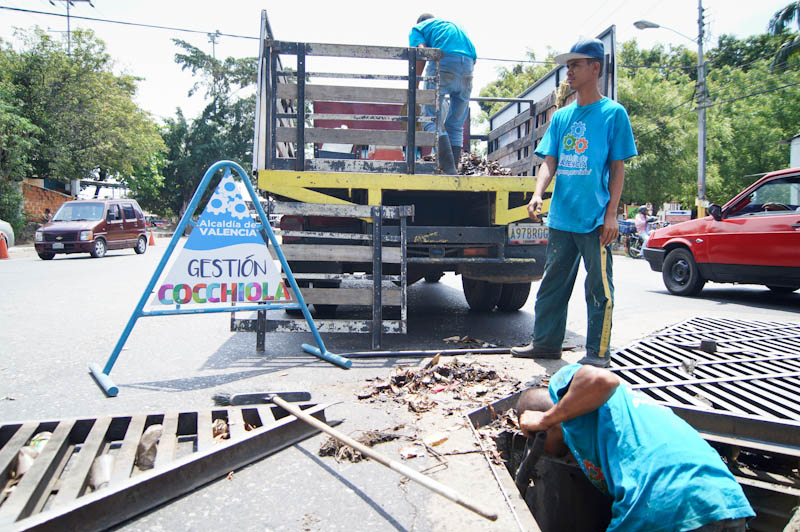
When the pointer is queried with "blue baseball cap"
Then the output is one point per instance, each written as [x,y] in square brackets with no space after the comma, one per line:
[585,49]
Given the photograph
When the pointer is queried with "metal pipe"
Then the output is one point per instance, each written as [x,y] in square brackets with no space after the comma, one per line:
[429,352]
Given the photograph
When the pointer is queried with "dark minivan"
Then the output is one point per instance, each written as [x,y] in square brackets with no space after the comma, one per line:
[93,226]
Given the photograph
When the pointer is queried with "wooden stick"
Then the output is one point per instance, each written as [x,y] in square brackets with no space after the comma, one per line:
[431,484]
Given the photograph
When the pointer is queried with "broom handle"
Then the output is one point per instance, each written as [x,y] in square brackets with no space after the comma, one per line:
[419,478]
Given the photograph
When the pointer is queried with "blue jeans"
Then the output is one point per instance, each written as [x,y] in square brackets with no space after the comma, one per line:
[564,252]
[726,525]
[455,80]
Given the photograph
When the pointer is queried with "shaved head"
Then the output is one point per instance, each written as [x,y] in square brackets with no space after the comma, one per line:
[535,399]
[424,16]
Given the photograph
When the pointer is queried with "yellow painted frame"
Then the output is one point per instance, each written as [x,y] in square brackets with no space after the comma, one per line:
[296,185]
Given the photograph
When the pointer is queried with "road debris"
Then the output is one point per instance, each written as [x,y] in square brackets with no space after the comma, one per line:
[148,447]
[474,164]
[467,340]
[341,451]
[100,474]
[220,430]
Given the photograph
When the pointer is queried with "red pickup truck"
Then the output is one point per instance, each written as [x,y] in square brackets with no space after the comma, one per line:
[752,239]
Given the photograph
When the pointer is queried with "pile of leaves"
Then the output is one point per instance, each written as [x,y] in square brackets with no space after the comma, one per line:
[474,164]
[341,451]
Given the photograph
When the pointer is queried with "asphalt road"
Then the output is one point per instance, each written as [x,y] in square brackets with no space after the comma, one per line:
[58,316]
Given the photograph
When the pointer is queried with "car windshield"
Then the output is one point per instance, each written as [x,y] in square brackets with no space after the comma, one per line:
[73,212]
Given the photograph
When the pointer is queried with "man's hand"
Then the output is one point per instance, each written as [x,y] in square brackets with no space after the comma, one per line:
[532,421]
[610,230]
[535,208]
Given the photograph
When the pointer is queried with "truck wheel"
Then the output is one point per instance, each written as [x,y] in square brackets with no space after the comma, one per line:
[513,296]
[482,296]
[433,277]
[680,273]
[782,289]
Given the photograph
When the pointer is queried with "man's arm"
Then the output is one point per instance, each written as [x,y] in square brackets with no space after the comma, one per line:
[589,390]
[420,64]
[546,173]
[615,181]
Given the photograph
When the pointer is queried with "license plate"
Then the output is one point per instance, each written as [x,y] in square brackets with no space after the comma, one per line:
[58,245]
[528,234]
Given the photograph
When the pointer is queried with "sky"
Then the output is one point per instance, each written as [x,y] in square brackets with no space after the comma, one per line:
[497,32]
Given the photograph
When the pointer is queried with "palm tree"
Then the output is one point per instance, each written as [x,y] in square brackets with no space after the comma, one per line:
[778,25]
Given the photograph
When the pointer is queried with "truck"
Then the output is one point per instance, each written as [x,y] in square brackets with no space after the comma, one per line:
[356,141]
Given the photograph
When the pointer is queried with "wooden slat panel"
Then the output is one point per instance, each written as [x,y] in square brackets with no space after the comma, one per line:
[354,136]
[509,148]
[511,124]
[525,165]
[123,462]
[168,441]
[205,432]
[322,253]
[357,50]
[344,93]
[235,424]
[9,452]
[78,477]
[30,489]
[349,296]
[357,165]
[266,415]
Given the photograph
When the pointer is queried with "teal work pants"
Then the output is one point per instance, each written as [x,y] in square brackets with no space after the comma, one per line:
[564,253]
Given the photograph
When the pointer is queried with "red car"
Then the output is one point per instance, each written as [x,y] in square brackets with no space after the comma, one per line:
[753,239]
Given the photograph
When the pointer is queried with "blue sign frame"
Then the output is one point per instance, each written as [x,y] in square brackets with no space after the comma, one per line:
[101,375]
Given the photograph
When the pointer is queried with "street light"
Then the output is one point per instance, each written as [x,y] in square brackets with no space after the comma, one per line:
[701,103]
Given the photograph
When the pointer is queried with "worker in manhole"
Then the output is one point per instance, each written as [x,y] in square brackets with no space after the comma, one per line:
[660,474]
[585,148]
[455,80]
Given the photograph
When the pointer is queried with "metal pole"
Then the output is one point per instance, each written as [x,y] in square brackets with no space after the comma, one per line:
[69,33]
[701,117]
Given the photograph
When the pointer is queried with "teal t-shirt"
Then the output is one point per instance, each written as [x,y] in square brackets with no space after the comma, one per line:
[447,36]
[661,475]
[585,140]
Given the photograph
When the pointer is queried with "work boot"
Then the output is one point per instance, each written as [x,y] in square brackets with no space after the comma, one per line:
[594,360]
[530,351]
[456,156]
[444,155]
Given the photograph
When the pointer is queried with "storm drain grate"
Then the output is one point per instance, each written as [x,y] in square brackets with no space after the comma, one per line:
[195,447]
[742,367]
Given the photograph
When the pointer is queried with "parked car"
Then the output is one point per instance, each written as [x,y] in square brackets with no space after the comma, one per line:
[7,232]
[752,239]
[154,221]
[92,226]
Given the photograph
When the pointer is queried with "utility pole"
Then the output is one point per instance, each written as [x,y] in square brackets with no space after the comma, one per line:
[69,29]
[701,116]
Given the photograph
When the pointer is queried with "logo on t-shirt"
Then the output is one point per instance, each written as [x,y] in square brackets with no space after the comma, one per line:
[574,163]
[595,474]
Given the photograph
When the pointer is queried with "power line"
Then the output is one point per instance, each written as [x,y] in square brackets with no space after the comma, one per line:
[124,23]
[662,126]
[757,93]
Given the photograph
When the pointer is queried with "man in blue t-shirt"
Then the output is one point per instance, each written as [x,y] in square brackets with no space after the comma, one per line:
[585,147]
[455,80]
[659,473]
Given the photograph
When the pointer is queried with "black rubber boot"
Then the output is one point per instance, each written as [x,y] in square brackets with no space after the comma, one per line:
[444,154]
[456,156]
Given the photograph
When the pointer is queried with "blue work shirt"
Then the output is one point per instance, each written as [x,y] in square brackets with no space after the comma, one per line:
[447,36]
[585,139]
[661,475]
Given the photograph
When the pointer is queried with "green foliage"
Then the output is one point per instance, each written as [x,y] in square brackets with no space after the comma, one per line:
[511,82]
[11,204]
[779,25]
[17,136]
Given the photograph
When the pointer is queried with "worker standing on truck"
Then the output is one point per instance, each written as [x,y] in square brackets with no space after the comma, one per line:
[455,71]
[585,146]
[660,474]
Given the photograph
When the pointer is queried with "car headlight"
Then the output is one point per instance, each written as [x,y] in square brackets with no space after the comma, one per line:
[86,235]
[39,237]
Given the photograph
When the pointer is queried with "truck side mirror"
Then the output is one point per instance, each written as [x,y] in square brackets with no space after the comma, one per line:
[715,211]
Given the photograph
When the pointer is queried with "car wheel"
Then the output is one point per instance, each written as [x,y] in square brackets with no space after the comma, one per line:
[141,245]
[99,248]
[433,277]
[513,296]
[782,289]
[44,255]
[680,273]
[482,296]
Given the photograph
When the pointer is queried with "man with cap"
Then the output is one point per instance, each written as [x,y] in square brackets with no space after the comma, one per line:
[455,80]
[585,148]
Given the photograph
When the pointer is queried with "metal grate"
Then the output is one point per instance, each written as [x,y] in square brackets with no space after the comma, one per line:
[54,494]
[742,367]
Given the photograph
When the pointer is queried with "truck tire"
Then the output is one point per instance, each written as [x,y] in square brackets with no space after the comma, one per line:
[513,296]
[680,273]
[481,296]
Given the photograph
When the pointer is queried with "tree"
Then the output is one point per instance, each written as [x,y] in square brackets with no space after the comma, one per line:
[511,82]
[778,25]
